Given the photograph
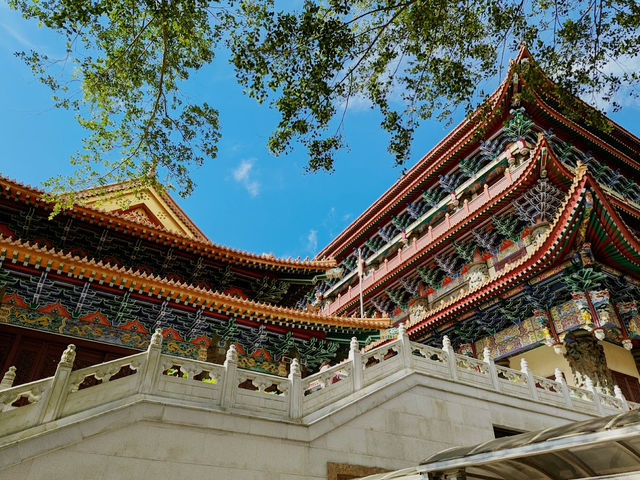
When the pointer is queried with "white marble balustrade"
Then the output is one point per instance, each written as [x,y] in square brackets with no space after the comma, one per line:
[167,378]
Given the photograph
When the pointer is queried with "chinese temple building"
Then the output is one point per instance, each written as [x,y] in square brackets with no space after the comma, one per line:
[110,272]
[492,290]
[518,232]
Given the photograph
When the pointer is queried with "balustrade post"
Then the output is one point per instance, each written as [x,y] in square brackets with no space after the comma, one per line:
[295,391]
[405,345]
[563,387]
[451,357]
[531,381]
[52,405]
[151,369]
[356,364]
[596,395]
[620,396]
[507,173]
[491,366]
[230,382]
[8,378]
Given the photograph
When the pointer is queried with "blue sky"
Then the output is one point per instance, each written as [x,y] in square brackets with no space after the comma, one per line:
[245,197]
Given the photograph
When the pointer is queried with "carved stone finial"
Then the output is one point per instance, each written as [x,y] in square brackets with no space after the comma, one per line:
[401,330]
[446,343]
[202,353]
[156,338]
[558,375]
[8,378]
[589,383]
[486,354]
[354,345]
[524,365]
[68,356]
[232,354]
[295,367]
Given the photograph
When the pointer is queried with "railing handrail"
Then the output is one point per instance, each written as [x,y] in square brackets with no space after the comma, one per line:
[50,395]
[122,361]
[399,258]
[332,369]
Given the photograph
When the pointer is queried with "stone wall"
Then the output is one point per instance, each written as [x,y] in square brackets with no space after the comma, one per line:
[150,424]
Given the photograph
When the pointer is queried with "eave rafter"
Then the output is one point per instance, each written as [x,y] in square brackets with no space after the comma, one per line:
[446,150]
[32,196]
[557,242]
[556,116]
[618,244]
[23,253]
[541,157]
[497,104]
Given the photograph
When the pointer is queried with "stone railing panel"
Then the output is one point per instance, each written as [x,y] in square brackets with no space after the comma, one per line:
[430,360]
[381,362]
[262,393]
[105,372]
[324,388]
[513,382]
[473,371]
[109,381]
[20,405]
[610,402]
[582,399]
[549,391]
[196,380]
[23,395]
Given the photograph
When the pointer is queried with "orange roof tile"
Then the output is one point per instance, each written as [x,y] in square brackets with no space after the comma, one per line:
[33,195]
[16,251]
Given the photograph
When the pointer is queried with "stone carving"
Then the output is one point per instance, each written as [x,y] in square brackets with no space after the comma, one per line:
[295,367]
[232,355]
[8,378]
[402,331]
[156,338]
[68,356]
[586,359]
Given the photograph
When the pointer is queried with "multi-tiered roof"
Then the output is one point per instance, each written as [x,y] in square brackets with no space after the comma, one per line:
[129,260]
[493,216]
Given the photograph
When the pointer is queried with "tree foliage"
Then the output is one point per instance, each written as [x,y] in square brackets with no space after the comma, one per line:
[409,60]
[412,60]
[125,63]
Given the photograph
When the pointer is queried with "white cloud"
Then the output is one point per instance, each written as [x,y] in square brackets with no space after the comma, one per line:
[17,36]
[356,103]
[312,241]
[243,174]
